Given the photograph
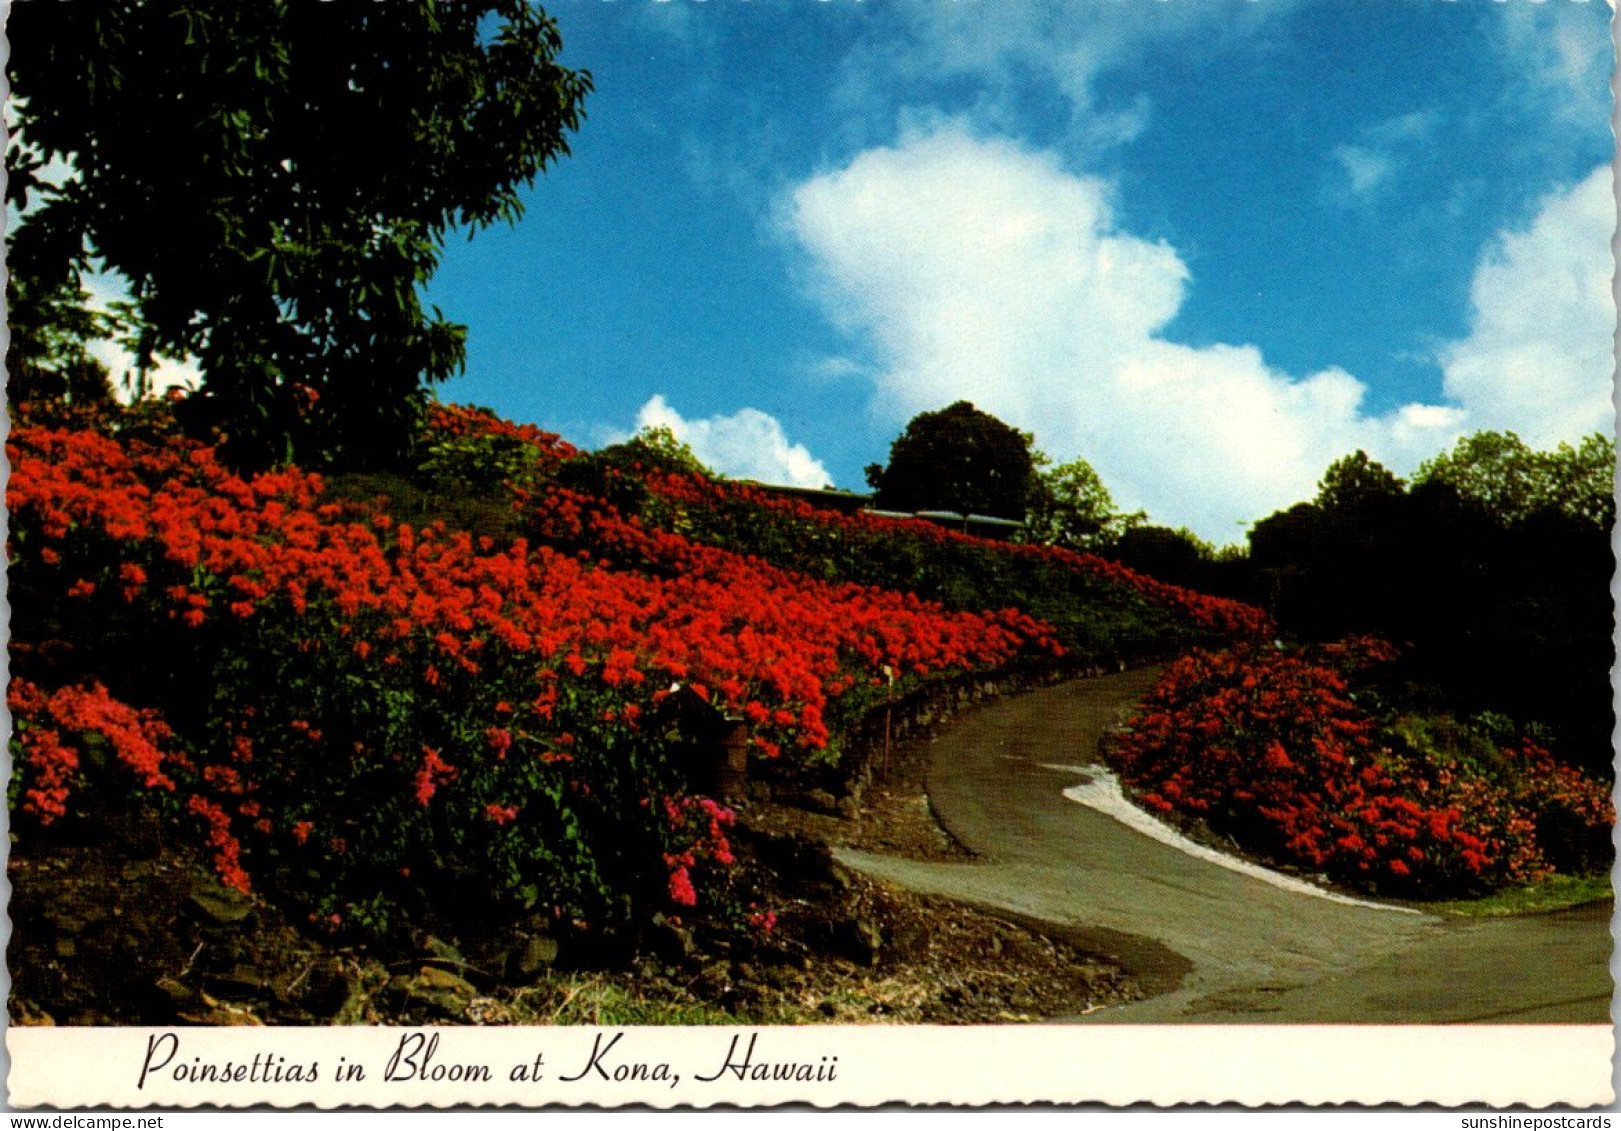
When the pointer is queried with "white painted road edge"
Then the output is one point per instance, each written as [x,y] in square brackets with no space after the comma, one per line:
[1101,791]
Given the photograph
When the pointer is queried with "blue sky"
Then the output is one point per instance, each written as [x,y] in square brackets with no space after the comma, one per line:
[1208,245]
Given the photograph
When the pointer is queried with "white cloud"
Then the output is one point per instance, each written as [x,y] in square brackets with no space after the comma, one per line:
[1416,125]
[1539,358]
[1005,50]
[1381,151]
[749,444]
[1564,53]
[104,290]
[1367,168]
[981,270]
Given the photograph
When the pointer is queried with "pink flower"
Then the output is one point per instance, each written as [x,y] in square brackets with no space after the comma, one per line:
[681,889]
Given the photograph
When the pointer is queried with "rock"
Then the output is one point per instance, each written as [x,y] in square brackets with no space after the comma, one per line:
[715,979]
[215,903]
[532,957]
[325,990]
[175,992]
[27,1013]
[220,1014]
[848,809]
[777,953]
[444,951]
[907,937]
[800,861]
[820,800]
[860,940]
[670,942]
[438,991]
[238,982]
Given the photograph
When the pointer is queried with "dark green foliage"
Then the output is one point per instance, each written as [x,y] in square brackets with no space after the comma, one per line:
[416,500]
[957,459]
[275,180]
[50,322]
[1494,569]
[1175,556]
[618,472]
[1356,482]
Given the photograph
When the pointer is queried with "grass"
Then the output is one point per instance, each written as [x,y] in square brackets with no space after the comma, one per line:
[585,1000]
[1551,894]
[607,1002]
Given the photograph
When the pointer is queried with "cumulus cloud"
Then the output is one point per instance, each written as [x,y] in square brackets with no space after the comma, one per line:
[1539,358]
[980,269]
[749,444]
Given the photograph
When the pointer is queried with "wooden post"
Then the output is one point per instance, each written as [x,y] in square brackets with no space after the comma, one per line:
[889,704]
[732,761]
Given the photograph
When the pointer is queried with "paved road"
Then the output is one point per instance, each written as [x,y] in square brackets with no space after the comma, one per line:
[1214,945]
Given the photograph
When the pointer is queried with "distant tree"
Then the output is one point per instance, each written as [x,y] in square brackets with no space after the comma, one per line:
[275,181]
[1492,570]
[47,358]
[1178,556]
[1354,481]
[618,472]
[957,459]
[1505,476]
[656,448]
[1071,507]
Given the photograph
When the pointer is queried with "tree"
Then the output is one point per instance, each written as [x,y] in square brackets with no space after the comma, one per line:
[1355,482]
[47,358]
[957,459]
[1177,556]
[1505,476]
[275,181]
[1493,572]
[618,472]
[1071,507]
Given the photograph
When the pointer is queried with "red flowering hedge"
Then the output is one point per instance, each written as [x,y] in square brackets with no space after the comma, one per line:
[375,714]
[1271,747]
[1094,604]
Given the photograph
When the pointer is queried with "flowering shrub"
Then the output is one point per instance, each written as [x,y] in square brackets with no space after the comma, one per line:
[384,712]
[957,568]
[1271,747]
[472,450]
[51,730]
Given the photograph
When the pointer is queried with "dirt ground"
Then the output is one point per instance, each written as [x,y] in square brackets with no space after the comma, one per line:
[114,926]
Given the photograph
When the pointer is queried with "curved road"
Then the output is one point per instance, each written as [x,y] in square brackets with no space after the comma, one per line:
[1216,946]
